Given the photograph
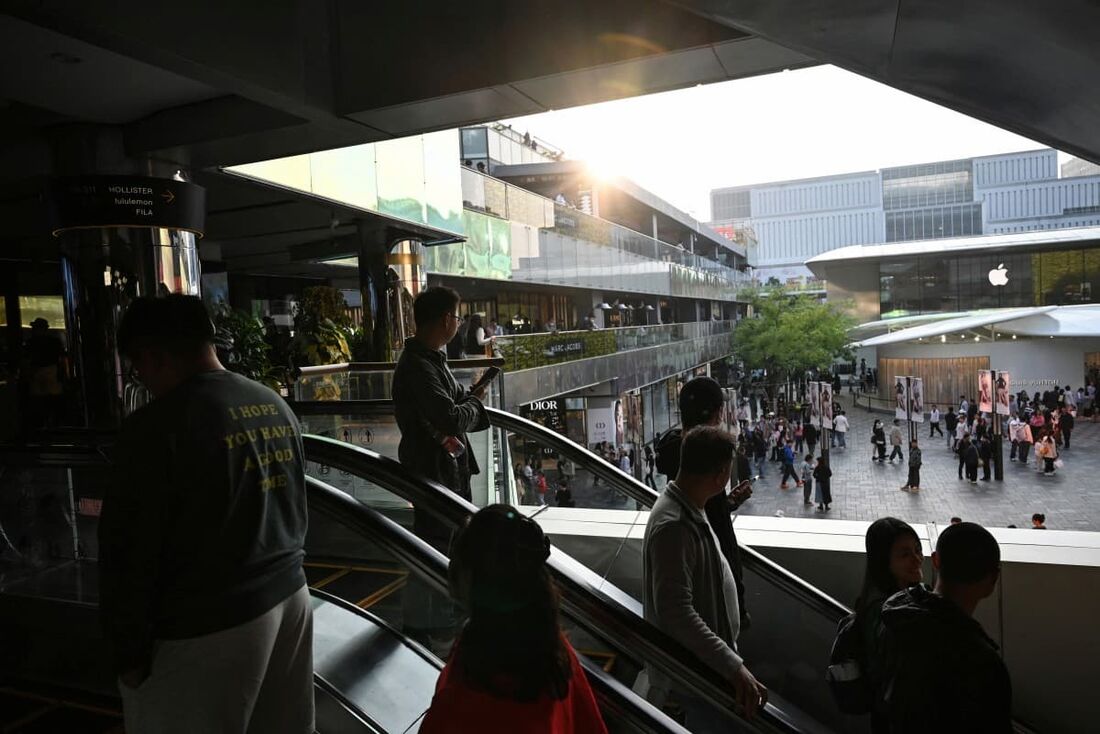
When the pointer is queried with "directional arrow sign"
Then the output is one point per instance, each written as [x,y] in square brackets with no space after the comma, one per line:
[125,201]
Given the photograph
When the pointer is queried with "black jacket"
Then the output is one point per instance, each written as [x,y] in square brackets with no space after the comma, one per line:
[970,457]
[429,404]
[878,436]
[943,671]
[951,420]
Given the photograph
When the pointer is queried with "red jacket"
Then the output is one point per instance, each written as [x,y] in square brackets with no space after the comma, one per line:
[457,709]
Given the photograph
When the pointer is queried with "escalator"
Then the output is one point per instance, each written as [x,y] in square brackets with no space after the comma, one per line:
[597,615]
[788,645]
[369,677]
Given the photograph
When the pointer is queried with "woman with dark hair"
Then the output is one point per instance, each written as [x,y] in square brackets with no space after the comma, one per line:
[478,342]
[878,442]
[894,562]
[511,669]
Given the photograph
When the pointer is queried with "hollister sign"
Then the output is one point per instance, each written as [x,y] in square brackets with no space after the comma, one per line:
[79,202]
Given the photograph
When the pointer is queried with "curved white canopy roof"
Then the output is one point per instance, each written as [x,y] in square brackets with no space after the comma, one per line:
[1062,321]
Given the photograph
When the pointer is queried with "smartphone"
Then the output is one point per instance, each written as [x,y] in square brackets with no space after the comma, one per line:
[489,376]
[741,492]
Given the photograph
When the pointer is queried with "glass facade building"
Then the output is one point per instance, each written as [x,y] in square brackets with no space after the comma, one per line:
[944,283]
[514,234]
[930,201]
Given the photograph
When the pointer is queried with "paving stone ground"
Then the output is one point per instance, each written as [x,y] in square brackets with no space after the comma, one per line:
[866,490]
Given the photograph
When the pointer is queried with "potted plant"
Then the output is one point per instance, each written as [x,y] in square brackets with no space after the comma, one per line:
[242,346]
[322,328]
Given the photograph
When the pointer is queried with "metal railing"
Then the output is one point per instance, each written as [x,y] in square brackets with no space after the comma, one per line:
[483,193]
[373,380]
[524,351]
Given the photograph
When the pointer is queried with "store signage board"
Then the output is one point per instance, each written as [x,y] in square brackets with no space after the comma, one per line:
[572,348]
[83,202]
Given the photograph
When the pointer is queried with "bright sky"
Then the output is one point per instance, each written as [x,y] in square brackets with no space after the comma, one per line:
[795,124]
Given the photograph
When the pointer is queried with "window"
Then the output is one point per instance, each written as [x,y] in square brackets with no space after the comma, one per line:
[731,205]
[474,144]
[51,308]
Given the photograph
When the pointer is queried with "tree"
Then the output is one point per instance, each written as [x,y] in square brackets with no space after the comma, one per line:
[789,335]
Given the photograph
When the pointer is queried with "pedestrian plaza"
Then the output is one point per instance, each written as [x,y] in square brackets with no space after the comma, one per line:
[866,490]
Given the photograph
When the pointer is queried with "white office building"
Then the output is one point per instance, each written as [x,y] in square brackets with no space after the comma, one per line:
[793,221]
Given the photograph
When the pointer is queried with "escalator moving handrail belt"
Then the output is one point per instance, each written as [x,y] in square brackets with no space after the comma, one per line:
[817,600]
[431,566]
[586,604]
[647,496]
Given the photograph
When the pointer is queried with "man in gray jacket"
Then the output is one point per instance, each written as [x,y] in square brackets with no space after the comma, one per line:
[690,592]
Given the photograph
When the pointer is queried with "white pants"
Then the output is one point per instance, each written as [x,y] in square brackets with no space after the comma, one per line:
[254,678]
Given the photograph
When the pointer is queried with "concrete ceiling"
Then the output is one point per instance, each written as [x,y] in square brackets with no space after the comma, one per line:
[207,83]
[212,83]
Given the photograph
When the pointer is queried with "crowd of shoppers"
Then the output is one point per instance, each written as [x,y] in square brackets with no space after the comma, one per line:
[1044,421]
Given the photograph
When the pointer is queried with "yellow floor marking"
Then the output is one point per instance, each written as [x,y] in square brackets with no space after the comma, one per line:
[331,577]
[609,657]
[353,567]
[382,593]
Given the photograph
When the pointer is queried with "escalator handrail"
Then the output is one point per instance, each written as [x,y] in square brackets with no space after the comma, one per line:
[647,496]
[814,598]
[320,495]
[407,548]
[431,566]
[590,606]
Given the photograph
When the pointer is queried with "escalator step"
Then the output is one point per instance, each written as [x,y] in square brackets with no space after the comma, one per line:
[61,719]
[365,588]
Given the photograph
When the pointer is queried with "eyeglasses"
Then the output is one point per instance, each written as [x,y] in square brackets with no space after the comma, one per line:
[455,316]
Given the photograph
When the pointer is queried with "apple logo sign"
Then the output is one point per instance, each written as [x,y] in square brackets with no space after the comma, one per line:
[998,275]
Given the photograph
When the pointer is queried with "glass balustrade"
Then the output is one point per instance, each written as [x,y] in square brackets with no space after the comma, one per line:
[514,234]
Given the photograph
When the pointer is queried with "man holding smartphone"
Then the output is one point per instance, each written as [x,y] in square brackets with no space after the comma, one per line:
[434,413]
[701,402]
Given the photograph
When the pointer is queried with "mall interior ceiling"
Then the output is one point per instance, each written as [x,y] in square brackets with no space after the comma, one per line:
[210,83]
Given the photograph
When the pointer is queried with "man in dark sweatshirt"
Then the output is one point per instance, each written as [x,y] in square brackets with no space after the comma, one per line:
[434,414]
[944,672]
[701,401]
[202,592]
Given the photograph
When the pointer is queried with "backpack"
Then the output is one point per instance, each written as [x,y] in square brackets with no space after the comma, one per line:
[846,674]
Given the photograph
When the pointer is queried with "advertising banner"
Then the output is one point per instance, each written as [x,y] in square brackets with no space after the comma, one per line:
[901,399]
[985,391]
[916,399]
[826,404]
[1003,388]
[601,426]
[814,388]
